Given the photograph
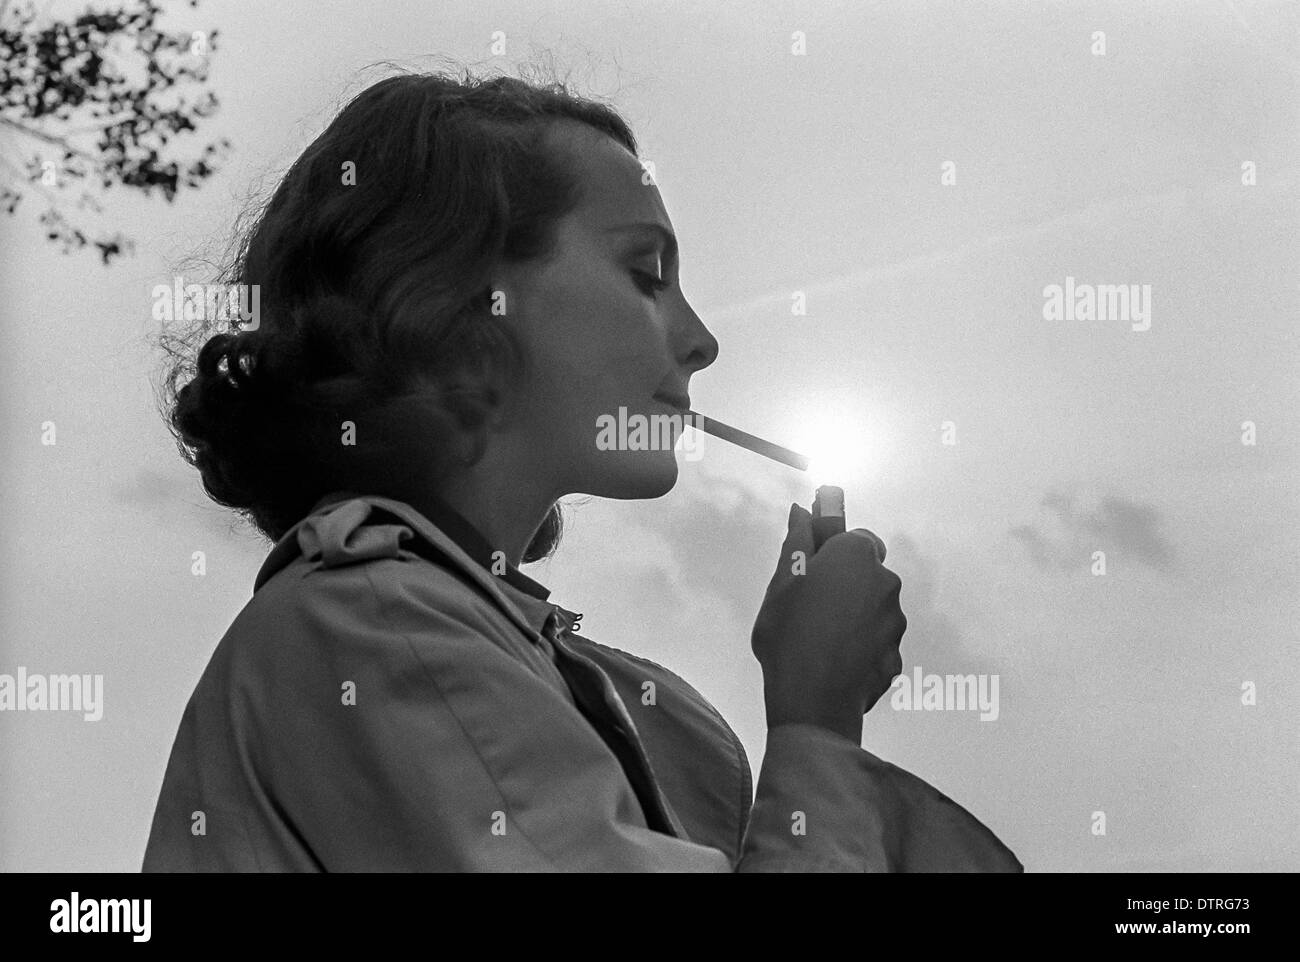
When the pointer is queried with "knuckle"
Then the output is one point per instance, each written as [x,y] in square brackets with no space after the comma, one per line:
[869,541]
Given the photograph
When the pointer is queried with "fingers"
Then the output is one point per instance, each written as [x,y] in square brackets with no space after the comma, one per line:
[880,545]
[798,537]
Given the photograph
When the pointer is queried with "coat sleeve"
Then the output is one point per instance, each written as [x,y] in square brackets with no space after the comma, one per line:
[384,733]
[825,804]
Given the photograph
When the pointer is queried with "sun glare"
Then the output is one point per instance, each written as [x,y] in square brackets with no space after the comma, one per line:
[844,447]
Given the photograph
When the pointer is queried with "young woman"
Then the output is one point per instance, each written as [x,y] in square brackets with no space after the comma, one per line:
[456,280]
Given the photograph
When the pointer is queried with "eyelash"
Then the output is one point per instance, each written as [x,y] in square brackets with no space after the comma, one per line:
[654,282]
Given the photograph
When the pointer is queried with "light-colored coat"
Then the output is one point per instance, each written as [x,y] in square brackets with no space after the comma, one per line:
[384,702]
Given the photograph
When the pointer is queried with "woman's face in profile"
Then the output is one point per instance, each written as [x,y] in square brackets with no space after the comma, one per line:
[601,334]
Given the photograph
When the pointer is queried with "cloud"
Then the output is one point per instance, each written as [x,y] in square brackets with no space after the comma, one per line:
[1070,531]
[147,489]
[935,640]
[750,526]
[1134,528]
[1040,552]
[176,499]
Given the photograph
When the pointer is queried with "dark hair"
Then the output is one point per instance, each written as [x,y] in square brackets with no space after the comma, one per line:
[373,296]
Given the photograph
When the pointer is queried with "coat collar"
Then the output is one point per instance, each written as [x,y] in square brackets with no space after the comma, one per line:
[341,529]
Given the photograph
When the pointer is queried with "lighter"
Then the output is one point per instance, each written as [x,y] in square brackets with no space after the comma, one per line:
[827,514]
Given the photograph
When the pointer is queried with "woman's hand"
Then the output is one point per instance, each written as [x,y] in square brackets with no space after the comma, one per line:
[827,638]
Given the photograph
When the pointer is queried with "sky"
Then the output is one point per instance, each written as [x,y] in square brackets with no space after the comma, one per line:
[995,450]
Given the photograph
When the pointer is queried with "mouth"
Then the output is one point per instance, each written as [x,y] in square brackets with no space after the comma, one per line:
[681,402]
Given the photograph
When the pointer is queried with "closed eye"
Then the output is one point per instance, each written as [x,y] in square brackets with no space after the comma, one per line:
[650,284]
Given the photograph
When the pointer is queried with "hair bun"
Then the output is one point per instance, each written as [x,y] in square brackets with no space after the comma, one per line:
[217,415]
[230,358]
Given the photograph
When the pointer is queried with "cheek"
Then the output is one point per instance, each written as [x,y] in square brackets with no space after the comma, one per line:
[595,347]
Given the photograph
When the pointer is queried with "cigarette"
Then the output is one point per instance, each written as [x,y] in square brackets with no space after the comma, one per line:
[747,441]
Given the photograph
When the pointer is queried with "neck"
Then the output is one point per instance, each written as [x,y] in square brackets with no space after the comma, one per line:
[500,503]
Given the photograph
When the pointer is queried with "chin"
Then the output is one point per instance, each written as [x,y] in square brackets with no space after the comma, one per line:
[650,474]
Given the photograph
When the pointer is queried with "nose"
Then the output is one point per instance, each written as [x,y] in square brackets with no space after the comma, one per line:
[696,347]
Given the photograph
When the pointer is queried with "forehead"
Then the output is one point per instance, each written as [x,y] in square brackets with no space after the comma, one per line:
[612,189]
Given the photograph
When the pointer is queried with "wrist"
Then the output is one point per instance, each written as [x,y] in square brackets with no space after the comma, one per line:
[845,724]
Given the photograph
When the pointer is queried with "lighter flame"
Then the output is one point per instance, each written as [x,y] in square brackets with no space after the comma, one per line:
[844,447]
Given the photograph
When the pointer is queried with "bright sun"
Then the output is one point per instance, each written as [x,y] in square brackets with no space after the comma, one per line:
[844,447]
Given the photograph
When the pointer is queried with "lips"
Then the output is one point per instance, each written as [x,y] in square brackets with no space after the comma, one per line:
[676,400]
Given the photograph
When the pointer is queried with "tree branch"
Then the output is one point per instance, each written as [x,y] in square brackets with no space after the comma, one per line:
[41,135]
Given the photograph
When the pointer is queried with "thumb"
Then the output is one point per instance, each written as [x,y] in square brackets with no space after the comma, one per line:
[798,537]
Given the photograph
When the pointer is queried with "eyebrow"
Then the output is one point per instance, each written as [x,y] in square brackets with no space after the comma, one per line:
[667,236]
